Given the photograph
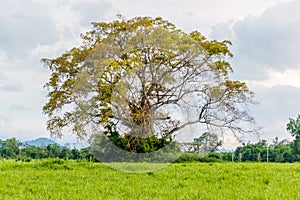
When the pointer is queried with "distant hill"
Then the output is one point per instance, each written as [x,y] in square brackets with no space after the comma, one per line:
[39,142]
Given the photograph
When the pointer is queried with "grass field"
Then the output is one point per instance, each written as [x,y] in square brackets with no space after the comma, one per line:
[58,179]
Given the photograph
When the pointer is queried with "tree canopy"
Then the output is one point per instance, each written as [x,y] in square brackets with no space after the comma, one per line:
[144,78]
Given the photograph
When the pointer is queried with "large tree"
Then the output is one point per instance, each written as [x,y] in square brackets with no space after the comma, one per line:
[144,78]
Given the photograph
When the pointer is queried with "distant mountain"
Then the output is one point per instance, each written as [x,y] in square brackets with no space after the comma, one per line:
[39,142]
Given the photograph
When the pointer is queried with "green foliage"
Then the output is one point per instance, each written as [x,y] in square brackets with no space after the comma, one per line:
[10,148]
[132,143]
[195,157]
[177,181]
[207,142]
[13,149]
[105,151]
[280,152]
[55,164]
[294,126]
[130,72]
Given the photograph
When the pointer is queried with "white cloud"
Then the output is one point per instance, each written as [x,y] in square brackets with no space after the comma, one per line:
[288,77]
[24,25]
[15,87]
[193,14]
[3,121]
[17,107]
[92,11]
[261,43]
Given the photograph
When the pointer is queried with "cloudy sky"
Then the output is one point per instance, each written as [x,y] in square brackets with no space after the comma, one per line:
[265,36]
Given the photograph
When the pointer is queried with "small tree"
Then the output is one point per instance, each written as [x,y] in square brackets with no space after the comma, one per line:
[294,128]
[10,148]
[207,142]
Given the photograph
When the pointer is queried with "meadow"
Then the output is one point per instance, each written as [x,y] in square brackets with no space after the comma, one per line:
[60,179]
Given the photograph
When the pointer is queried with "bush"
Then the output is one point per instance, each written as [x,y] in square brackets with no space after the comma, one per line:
[194,157]
[55,164]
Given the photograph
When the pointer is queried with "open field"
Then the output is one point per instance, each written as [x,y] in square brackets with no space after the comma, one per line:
[58,179]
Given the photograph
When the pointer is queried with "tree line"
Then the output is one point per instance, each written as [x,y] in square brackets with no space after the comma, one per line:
[13,149]
[278,151]
[203,148]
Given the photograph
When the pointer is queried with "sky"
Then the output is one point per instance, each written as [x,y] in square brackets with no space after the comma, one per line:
[265,37]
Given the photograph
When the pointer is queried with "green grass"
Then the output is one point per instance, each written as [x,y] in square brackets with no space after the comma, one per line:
[57,179]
